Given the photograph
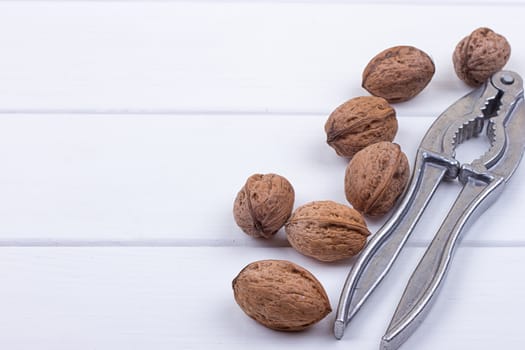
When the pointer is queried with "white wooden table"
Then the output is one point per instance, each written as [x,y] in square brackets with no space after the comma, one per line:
[127,128]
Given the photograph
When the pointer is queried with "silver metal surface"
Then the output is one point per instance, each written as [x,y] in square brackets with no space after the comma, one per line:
[496,108]
[379,254]
[428,275]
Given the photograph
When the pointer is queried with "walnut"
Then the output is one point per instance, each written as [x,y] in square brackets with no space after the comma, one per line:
[376,177]
[263,205]
[280,295]
[480,55]
[398,73]
[327,231]
[360,122]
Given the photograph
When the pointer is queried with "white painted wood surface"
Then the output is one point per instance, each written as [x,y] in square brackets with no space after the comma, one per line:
[180,297]
[172,179]
[237,57]
[127,127]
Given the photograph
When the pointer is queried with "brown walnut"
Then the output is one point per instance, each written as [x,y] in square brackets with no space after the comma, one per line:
[327,231]
[376,177]
[480,55]
[263,205]
[360,122]
[399,73]
[280,295]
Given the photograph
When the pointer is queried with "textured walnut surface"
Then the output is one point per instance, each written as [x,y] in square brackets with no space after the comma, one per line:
[479,55]
[360,122]
[327,231]
[398,73]
[263,205]
[280,295]
[376,177]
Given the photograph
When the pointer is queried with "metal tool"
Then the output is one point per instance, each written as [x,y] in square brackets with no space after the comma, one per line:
[496,108]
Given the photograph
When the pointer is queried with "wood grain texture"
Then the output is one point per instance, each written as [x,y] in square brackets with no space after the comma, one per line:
[134,123]
[165,298]
[262,57]
[172,180]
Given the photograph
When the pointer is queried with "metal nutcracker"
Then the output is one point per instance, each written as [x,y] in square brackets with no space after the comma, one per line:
[496,108]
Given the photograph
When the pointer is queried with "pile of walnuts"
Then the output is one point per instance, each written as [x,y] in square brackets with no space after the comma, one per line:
[284,296]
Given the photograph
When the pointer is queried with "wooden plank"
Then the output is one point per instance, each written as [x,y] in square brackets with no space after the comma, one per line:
[166,298]
[265,57]
[171,180]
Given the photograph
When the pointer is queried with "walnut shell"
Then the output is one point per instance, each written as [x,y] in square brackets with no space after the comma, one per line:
[360,122]
[263,205]
[376,177]
[280,295]
[327,231]
[398,73]
[480,55]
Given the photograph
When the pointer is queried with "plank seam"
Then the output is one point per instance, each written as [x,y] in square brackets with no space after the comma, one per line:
[141,112]
[219,243]
[311,2]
